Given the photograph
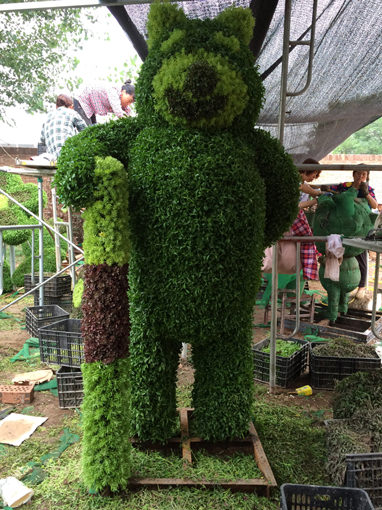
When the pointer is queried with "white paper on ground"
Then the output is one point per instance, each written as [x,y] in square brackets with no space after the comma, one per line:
[38,376]
[14,492]
[15,428]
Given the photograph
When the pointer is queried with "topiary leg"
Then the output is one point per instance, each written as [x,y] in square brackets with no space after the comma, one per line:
[223,388]
[154,365]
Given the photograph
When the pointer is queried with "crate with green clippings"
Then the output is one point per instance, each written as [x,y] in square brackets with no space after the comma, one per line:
[291,360]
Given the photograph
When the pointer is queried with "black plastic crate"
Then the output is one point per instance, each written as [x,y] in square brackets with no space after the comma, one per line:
[364,471]
[287,369]
[61,343]
[64,301]
[70,387]
[314,497]
[58,286]
[326,370]
[37,317]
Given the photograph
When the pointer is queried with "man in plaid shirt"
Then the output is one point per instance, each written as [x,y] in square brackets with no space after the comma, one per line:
[61,124]
[101,99]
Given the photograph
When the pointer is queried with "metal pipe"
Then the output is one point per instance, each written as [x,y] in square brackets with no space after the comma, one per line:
[284,70]
[19,227]
[325,166]
[71,251]
[1,263]
[32,258]
[40,284]
[311,52]
[41,240]
[57,246]
[273,329]
[375,292]
[39,219]
[12,259]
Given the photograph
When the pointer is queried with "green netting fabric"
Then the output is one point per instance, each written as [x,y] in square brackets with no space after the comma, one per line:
[29,350]
[50,385]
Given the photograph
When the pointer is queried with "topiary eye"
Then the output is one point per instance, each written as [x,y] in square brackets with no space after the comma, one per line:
[176,36]
[230,43]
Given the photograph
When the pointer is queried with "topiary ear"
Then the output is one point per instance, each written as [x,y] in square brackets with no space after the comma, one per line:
[239,21]
[162,19]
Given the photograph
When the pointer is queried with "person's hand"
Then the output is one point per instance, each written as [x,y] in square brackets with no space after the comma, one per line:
[363,190]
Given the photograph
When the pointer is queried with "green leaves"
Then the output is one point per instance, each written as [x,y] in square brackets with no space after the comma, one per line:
[106,425]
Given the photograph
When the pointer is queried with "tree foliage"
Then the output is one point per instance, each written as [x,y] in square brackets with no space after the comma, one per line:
[367,140]
[35,50]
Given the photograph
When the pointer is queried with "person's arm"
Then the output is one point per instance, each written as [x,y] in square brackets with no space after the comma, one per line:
[79,123]
[42,135]
[307,203]
[115,102]
[305,188]
[370,197]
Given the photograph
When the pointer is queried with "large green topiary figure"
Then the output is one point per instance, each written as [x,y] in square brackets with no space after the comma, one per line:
[207,193]
[350,216]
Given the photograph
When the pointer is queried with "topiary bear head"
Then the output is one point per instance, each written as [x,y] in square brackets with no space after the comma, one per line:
[199,74]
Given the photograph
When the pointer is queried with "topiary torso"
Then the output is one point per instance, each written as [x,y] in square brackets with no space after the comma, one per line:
[207,193]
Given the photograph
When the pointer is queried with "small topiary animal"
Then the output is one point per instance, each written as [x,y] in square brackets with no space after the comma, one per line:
[207,193]
[351,216]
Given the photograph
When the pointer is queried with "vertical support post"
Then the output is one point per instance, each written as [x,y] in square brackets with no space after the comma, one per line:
[56,226]
[284,70]
[283,90]
[12,259]
[33,257]
[71,248]
[273,330]
[1,263]
[41,240]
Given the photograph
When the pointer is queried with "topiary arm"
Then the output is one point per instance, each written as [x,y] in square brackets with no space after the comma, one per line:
[74,178]
[282,183]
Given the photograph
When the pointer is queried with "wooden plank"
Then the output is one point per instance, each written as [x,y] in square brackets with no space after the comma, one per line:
[261,458]
[185,438]
[250,485]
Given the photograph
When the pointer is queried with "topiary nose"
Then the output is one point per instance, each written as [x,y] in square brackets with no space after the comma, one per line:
[201,79]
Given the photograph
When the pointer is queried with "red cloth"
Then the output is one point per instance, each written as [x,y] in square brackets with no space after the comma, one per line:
[308,251]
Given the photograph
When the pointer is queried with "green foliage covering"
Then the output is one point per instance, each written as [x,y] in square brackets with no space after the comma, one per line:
[11,214]
[294,445]
[7,282]
[341,214]
[197,277]
[25,267]
[48,239]
[200,185]
[239,21]
[162,19]
[106,227]
[77,293]
[284,348]
[356,393]
[344,347]
[106,425]
[282,184]
[74,178]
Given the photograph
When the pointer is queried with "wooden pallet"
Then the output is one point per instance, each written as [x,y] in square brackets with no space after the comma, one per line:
[186,443]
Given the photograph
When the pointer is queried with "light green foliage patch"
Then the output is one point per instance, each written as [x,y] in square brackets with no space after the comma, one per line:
[106,230]
[106,425]
[284,348]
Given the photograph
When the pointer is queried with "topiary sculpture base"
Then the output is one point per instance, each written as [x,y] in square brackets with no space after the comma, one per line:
[251,443]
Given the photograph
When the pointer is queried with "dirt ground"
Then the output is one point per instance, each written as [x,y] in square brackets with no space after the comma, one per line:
[46,404]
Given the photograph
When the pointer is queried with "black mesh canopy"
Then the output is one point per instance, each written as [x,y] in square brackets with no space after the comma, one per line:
[345,93]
